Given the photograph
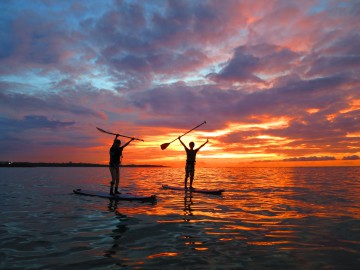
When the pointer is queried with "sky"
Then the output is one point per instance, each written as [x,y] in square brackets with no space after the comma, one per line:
[277,81]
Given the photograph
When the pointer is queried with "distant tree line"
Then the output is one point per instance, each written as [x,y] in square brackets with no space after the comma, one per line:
[65,164]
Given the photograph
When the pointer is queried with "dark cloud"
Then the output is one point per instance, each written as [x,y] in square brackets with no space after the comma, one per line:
[248,61]
[312,158]
[164,40]
[31,122]
[353,157]
[333,64]
[16,135]
[182,103]
[44,104]
[241,68]
[34,41]
[291,100]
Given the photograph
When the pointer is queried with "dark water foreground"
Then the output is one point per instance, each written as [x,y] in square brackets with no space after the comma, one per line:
[269,218]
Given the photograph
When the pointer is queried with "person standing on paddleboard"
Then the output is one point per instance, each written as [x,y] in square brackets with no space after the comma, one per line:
[190,161]
[115,162]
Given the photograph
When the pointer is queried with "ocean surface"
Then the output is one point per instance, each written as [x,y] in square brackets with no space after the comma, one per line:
[268,218]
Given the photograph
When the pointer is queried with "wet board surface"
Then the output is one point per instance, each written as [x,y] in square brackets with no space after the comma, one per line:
[198,190]
[123,196]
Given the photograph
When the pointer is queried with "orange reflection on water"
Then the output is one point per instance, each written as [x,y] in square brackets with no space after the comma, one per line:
[163,254]
[268,243]
[201,248]
[279,207]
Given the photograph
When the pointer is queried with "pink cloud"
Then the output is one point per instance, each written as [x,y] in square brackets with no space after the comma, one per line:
[164,66]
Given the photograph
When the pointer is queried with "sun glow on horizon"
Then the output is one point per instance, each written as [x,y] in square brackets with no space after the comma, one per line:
[216,149]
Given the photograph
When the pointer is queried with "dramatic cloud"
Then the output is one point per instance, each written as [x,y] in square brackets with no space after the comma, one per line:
[32,122]
[353,157]
[309,158]
[274,79]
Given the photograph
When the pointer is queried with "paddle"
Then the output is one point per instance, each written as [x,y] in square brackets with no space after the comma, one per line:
[118,134]
[165,145]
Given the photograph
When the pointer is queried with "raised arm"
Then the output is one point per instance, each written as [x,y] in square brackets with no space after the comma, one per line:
[182,142]
[126,144]
[207,140]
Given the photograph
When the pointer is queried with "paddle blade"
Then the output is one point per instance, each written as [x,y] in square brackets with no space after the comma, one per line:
[164,146]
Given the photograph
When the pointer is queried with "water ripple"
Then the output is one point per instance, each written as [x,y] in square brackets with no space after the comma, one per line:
[274,218]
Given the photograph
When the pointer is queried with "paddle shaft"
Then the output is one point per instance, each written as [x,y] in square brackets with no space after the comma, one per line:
[189,131]
[119,134]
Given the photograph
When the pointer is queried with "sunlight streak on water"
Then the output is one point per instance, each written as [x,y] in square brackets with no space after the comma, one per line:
[285,218]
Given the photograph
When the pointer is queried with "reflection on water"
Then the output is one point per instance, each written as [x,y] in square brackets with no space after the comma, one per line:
[278,218]
[120,229]
[187,205]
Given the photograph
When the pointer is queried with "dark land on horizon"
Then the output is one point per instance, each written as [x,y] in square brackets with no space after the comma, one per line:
[66,164]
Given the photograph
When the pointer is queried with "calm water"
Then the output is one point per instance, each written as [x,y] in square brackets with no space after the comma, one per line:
[269,218]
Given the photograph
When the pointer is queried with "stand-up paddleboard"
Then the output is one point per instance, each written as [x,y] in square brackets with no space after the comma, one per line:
[123,196]
[198,190]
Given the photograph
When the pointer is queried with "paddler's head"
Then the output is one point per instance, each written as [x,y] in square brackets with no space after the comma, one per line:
[192,145]
[117,142]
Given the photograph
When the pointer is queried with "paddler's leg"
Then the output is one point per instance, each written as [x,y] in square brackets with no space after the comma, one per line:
[192,173]
[186,176]
[117,179]
[113,178]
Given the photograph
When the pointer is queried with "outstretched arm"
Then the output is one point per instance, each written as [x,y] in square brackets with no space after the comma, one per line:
[126,144]
[182,142]
[207,140]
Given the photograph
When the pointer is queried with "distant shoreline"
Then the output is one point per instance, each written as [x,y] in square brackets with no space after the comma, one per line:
[68,164]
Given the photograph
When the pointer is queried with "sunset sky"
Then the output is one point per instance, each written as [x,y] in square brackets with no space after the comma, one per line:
[278,82]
